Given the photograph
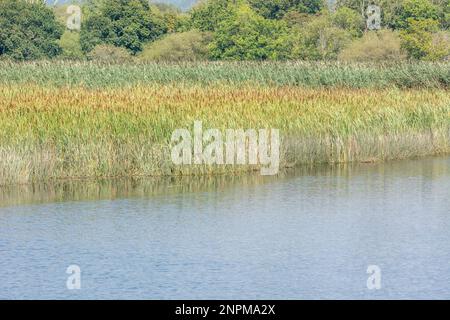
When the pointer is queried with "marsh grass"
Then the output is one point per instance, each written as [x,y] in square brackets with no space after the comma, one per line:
[305,74]
[65,132]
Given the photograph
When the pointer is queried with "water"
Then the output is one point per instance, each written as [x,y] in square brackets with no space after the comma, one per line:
[304,235]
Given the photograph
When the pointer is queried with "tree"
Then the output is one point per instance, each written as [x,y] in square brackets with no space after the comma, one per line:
[357,5]
[245,35]
[319,39]
[28,30]
[207,14]
[350,20]
[173,18]
[414,10]
[122,23]
[276,9]
[296,19]
[394,13]
[423,40]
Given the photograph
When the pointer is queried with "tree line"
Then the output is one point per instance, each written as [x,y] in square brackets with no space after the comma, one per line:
[126,30]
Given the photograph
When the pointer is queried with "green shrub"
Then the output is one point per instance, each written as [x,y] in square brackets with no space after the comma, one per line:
[105,53]
[381,45]
[185,46]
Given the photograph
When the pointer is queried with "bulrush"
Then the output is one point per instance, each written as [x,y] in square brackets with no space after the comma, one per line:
[57,125]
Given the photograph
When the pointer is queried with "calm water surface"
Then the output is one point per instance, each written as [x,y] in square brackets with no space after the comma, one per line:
[303,235]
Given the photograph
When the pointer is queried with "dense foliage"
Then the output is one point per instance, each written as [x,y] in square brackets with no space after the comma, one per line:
[28,30]
[245,35]
[123,23]
[230,30]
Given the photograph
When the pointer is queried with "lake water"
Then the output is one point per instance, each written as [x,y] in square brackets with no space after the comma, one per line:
[307,234]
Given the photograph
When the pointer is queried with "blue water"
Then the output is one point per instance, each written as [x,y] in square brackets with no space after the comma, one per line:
[300,236]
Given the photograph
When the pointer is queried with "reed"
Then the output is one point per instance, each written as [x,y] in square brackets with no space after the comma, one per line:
[306,74]
[78,131]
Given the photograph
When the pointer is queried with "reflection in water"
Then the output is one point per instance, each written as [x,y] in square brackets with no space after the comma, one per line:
[79,190]
[308,233]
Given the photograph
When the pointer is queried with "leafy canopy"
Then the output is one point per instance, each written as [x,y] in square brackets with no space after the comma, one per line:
[28,30]
[276,9]
[245,35]
[122,23]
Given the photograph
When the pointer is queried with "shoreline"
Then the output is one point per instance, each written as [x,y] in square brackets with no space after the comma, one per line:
[212,171]
[146,187]
[231,174]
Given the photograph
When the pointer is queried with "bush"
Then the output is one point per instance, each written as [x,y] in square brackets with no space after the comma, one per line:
[185,46]
[109,54]
[381,45]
